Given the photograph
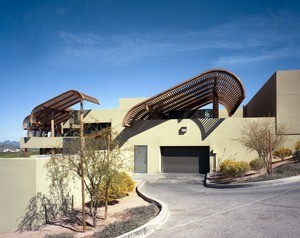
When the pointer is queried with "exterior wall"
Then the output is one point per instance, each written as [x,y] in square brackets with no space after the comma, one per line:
[17,186]
[20,180]
[224,114]
[278,100]
[291,141]
[157,133]
[263,104]
[41,142]
[279,97]
[288,100]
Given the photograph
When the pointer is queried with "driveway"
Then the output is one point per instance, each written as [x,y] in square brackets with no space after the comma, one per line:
[197,211]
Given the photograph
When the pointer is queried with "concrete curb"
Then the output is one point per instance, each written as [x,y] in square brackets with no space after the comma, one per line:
[155,223]
[209,184]
[147,228]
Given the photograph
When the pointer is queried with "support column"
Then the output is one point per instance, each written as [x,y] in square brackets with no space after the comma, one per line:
[61,129]
[82,166]
[215,100]
[52,124]
[52,128]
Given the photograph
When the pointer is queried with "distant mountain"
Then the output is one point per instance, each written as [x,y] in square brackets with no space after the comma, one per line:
[9,145]
[12,143]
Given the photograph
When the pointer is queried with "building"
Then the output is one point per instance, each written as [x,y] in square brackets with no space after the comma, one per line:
[181,130]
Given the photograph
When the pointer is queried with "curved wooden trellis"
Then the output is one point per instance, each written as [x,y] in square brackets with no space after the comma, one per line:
[55,111]
[217,86]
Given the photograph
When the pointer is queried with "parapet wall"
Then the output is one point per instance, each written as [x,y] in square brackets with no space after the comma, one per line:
[21,179]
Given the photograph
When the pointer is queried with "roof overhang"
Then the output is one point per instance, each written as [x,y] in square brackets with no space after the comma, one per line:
[191,94]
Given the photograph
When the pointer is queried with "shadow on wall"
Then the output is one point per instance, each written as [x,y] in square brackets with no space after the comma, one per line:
[208,125]
[136,129]
[42,209]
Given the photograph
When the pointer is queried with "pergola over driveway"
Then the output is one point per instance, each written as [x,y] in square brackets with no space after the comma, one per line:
[56,111]
[216,86]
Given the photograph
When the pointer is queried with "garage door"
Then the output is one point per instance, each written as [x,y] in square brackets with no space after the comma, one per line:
[185,159]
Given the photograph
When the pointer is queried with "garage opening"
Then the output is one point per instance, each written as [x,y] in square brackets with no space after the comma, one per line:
[185,159]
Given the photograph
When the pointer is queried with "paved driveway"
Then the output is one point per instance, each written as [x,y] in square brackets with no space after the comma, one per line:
[196,211]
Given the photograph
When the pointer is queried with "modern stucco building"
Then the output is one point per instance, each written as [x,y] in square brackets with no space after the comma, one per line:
[176,131]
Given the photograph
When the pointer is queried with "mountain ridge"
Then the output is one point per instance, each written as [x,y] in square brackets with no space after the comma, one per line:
[9,145]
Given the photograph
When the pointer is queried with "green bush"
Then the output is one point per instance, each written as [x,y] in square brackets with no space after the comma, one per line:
[137,217]
[120,186]
[257,164]
[297,145]
[282,152]
[232,168]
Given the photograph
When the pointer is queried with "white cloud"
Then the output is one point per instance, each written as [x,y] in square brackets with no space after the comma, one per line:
[276,54]
[243,40]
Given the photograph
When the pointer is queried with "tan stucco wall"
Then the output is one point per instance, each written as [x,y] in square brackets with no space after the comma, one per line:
[157,133]
[20,180]
[17,186]
[288,100]
[41,142]
[263,104]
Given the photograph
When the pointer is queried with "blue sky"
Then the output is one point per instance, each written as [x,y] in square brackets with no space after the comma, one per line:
[119,49]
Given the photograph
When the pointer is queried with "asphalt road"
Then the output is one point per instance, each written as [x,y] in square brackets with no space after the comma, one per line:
[196,211]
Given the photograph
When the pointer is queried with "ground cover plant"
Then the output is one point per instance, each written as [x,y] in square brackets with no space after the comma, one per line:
[60,235]
[136,217]
[283,171]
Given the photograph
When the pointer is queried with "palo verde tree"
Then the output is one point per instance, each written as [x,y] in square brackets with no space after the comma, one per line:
[102,159]
[260,136]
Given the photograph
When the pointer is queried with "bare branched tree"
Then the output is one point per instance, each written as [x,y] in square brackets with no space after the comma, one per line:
[255,137]
[102,159]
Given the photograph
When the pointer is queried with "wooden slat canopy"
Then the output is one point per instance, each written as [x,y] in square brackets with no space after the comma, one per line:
[56,110]
[217,86]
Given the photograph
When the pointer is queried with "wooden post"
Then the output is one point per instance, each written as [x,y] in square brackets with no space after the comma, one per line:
[215,100]
[46,214]
[52,128]
[106,192]
[52,131]
[270,153]
[72,204]
[61,129]
[82,165]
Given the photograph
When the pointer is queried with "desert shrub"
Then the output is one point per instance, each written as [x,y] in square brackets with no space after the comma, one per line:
[257,164]
[297,145]
[120,186]
[60,235]
[232,168]
[137,217]
[282,152]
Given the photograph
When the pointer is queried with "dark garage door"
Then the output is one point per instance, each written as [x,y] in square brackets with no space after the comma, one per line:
[185,159]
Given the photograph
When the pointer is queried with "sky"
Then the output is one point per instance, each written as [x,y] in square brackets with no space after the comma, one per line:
[112,49]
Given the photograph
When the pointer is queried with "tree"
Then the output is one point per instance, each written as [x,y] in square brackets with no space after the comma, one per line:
[102,159]
[260,136]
